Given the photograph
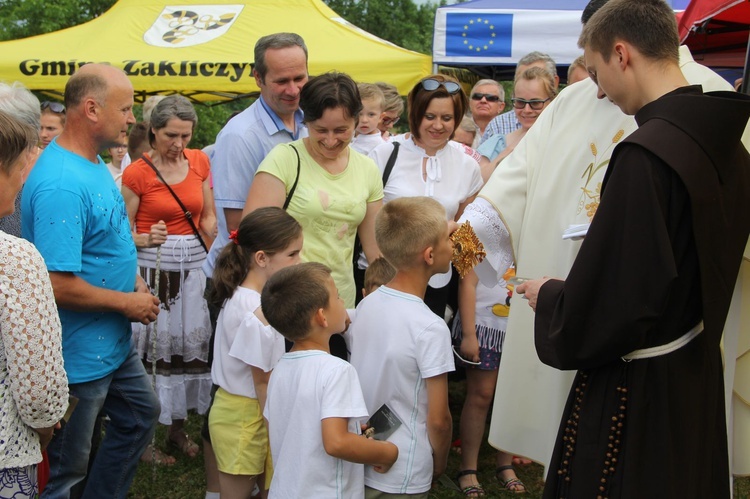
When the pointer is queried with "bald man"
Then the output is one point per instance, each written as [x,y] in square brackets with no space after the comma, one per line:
[74,214]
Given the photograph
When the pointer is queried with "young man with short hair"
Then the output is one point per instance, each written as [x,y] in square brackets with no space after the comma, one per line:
[641,313]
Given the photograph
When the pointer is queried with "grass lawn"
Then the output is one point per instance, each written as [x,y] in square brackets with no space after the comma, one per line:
[185,480]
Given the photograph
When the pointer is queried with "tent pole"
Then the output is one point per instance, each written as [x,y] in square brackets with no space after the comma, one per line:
[746,72]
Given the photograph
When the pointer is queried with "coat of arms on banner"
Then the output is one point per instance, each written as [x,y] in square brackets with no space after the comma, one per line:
[187,25]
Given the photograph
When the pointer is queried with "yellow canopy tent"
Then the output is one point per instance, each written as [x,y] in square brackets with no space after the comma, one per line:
[203,49]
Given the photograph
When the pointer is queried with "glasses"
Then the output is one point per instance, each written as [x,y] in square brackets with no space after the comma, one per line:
[390,121]
[55,107]
[489,97]
[535,104]
[431,84]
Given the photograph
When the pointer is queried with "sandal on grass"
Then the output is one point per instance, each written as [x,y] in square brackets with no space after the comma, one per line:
[472,490]
[157,456]
[514,484]
[183,443]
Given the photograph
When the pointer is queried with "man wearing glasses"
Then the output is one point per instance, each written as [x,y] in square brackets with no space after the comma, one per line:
[487,102]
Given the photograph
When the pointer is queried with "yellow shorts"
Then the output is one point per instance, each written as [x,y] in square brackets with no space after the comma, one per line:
[239,435]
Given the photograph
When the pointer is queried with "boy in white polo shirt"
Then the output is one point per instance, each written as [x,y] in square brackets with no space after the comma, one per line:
[402,351]
[314,403]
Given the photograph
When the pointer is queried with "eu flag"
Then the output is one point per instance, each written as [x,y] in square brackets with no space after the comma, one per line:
[479,34]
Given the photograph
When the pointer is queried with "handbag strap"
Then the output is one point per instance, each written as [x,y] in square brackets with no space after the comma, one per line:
[294,185]
[391,161]
[185,211]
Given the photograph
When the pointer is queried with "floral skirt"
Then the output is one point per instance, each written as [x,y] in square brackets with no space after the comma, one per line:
[183,328]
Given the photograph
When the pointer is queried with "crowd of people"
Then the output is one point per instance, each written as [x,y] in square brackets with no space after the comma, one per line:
[292,284]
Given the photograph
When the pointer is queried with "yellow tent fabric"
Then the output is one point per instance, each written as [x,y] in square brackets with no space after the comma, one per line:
[204,48]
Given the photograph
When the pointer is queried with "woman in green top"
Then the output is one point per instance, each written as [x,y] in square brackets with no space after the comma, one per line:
[338,190]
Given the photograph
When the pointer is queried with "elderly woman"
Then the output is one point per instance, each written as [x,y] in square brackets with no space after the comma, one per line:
[426,164]
[393,106]
[33,384]
[333,191]
[170,205]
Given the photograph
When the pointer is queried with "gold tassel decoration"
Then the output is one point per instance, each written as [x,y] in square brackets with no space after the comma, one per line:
[468,250]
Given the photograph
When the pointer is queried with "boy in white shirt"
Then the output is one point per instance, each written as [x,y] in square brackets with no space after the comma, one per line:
[367,135]
[402,351]
[314,403]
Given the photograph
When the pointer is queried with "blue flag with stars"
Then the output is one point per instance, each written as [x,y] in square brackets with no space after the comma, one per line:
[484,35]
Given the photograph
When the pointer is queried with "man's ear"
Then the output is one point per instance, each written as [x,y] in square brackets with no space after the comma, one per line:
[622,53]
[91,109]
[258,80]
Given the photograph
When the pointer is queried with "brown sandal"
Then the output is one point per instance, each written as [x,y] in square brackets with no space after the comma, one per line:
[156,456]
[185,445]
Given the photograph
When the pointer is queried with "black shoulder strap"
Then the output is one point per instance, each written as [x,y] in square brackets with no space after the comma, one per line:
[391,161]
[294,186]
[185,211]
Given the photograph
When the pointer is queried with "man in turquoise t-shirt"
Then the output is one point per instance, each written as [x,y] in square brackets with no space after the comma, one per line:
[75,216]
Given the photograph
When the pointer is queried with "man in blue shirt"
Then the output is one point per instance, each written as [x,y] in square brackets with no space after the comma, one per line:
[280,71]
[74,214]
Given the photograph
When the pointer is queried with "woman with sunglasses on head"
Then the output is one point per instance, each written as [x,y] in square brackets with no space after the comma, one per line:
[487,101]
[52,122]
[533,90]
[426,165]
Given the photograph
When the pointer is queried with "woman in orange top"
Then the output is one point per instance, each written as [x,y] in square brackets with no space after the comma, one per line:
[183,379]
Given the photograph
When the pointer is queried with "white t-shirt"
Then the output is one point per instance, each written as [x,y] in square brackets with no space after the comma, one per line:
[242,340]
[452,178]
[393,353]
[305,388]
[366,143]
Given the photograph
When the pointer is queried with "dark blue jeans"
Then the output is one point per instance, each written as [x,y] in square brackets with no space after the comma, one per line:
[127,398]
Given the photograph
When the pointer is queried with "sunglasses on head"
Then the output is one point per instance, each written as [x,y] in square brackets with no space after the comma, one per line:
[55,107]
[489,97]
[431,84]
[535,104]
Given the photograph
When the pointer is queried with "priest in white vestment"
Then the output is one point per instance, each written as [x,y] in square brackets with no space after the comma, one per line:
[551,181]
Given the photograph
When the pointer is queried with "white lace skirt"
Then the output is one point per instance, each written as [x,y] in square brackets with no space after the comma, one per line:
[183,376]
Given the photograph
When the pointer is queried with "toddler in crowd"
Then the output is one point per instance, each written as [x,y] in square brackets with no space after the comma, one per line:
[402,351]
[246,349]
[315,405]
[367,135]
[378,273]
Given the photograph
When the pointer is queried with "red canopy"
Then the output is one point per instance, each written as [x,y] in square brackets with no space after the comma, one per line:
[716,31]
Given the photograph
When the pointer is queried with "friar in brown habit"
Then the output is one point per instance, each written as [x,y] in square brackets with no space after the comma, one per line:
[641,313]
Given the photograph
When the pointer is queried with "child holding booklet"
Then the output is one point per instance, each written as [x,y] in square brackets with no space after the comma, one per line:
[402,351]
[315,406]
[268,239]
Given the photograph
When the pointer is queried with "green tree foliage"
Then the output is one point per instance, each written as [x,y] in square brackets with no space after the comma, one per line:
[24,18]
[399,21]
